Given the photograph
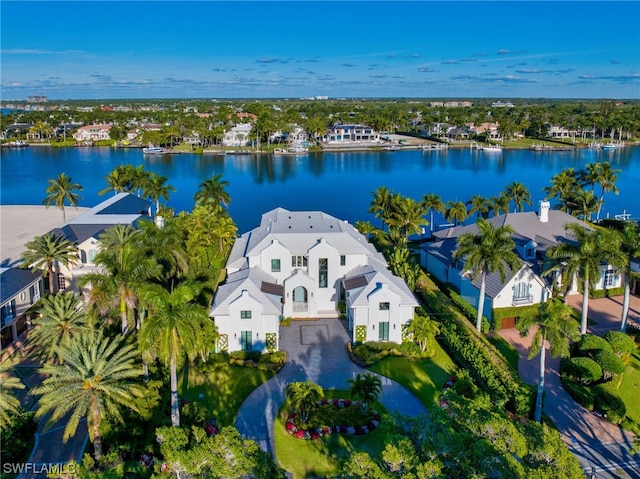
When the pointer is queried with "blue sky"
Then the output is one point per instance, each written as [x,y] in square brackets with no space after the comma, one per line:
[203,49]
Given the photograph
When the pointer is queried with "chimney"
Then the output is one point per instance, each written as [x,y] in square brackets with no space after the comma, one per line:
[543,214]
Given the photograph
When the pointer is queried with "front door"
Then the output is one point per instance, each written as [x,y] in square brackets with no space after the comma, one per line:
[300,300]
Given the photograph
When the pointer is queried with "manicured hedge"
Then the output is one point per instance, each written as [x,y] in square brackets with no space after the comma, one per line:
[590,343]
[583,370]
[601,293]
[473,352]
[622,344]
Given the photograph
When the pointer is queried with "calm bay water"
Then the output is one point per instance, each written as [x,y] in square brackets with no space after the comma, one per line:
[338,183]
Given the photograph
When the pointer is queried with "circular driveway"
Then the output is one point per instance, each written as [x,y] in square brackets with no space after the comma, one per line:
[316,351]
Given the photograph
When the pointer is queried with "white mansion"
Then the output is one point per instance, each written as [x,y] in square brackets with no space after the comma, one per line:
[304,264]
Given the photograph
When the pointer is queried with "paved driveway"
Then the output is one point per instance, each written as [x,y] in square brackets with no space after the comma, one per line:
[598,444]
[316,351]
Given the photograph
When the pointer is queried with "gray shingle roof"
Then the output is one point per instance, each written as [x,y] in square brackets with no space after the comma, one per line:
[14,280]
[252,280]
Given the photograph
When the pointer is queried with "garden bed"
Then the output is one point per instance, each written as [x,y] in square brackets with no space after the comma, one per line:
[333,416]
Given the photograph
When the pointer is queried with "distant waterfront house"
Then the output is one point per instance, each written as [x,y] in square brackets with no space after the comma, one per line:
[534,234]
[237,135]
[457,134]
[560,132]
[490,129]
[305,264]
[136,133]
[19,290]
[92,133]
[85,229]
[351,133]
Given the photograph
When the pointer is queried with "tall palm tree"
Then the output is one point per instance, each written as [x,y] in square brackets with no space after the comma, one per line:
[581,259]
[432,202]
[479,205]
[119,180]
[302,396]
[97,378]
[499,204]
[157,188]
[630,250]
[61,318]
[606,179]
[380,204]
[60,190]
[405,215]
[582,203]
[173,329]
[124,270]
[45,252]
[491,249]
[455,211]
[563,185]
[367,387]
[9,404]
[213,189]
[555,325]
[519,194]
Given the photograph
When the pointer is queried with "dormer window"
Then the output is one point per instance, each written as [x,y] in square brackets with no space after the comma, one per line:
[530,252]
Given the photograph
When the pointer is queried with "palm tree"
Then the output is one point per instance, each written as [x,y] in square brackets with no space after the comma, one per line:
[491,249]
[499,204]
[44,253]
[213,189]
[157,188]
[563,185]
[367,387]
[555,325]
[365,227]
[406,214]
[380,203]
[62,189]
[432,202]
[582,203]
[9,404]
[479,205]
[119,180]
[302,396]
[124,270]
[96,378]
[630,249]
[581,259]
[519,194]
[173,328]
[61,318]
[455,211]
[606,179]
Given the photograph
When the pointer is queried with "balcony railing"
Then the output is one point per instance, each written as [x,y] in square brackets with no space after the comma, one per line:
[522,300]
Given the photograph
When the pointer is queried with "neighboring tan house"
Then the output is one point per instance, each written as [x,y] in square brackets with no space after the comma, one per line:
[350,133]
[85,229]
[237,135]
[533,235]
[19,290]
[92,133]
[305,264]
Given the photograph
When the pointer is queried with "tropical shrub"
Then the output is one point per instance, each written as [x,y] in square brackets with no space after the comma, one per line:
[622,344]
[610,405]
[590,343]
[583,370]
[17,437]
[609,362]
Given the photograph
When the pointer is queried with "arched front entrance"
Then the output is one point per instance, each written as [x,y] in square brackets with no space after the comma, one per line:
[300,300]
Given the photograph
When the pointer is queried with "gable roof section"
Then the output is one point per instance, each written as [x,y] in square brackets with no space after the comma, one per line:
[15,280]
[367,278]
[253,280]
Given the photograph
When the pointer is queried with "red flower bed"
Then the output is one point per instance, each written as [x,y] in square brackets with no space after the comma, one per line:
[317,433]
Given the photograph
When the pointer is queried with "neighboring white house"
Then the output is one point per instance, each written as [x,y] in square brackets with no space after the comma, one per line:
[350,133]
[92,133]
[304,264]
[533,235]
[19,290]
[238,135]
[85,229]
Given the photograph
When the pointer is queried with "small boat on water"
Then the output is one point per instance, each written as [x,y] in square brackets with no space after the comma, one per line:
[293,150]
[16,144]
[491,148]
[612,146]
[154,150]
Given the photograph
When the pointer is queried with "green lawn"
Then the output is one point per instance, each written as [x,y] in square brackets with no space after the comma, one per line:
[223,390]
[629,389]
[423,377]
[506,349]
[324,457]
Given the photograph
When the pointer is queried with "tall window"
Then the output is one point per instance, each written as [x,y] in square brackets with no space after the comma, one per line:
[383,331]
[343,260]
[8,312]
[246,340]
[275,265]
[323,272]
[62,282]
[609,278]
[245,314]
[521,290]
